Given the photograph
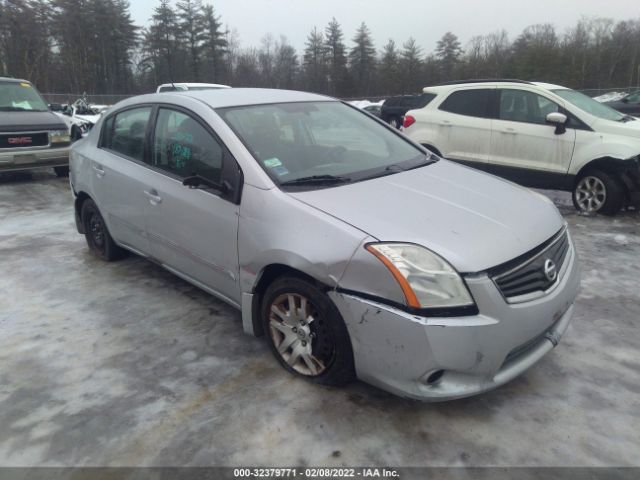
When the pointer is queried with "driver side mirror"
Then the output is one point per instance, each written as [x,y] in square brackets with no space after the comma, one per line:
[559,120]
[625,100]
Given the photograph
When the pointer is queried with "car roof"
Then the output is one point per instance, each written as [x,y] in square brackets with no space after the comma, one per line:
[184,84]
[502,83]
[232,97]
[13,80]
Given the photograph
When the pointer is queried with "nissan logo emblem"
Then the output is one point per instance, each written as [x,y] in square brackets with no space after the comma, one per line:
[550,270]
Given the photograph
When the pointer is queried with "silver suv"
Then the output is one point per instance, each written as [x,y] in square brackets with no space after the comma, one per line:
[31,136]
[356,251]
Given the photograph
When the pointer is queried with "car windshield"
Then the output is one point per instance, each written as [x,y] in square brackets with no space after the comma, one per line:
[20,97]
[590,105]
[320,143]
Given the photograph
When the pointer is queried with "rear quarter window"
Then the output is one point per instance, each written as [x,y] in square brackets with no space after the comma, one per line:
[472,103]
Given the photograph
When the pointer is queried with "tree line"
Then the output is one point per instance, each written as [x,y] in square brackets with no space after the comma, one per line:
[94,46]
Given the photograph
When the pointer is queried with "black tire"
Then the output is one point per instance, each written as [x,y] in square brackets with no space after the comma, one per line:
[76,133]
[97,235]
[329,343]
[610,200]
[395,121]
[61,171]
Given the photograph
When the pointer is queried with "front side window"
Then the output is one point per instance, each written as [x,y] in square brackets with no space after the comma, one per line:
[524,106]
[183,147]
[20,97]
[472,103]
[294,141]
[125,132]
[590,105]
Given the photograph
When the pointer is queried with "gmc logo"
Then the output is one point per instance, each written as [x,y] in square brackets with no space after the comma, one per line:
[19,140]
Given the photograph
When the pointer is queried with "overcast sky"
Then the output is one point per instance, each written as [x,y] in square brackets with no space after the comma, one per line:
[425,20]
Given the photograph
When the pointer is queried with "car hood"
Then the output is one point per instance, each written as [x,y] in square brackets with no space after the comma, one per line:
[29,122]
[629,129]
[474,220]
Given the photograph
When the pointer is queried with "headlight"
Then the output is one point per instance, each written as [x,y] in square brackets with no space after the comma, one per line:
[426,279]
[59,136]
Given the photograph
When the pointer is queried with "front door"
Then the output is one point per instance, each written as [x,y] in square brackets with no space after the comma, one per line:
[193,232]
[524,148]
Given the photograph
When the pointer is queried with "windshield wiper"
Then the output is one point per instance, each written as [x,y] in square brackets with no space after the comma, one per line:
[627,118]
[315,180]
[424,160]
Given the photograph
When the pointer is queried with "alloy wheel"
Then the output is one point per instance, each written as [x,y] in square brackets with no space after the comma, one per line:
[300,334]
[591,194]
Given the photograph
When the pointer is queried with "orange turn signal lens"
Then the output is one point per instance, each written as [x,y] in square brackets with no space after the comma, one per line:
[409,294]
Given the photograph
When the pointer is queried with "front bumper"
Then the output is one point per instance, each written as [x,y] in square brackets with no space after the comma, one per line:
[400,352]
[27,159]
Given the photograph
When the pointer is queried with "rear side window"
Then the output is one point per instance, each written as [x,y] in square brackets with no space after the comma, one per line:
[183,147]
[124,132]
[420,101]
[472,103]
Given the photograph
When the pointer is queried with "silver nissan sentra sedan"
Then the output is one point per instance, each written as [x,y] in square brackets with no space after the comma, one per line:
[356,252]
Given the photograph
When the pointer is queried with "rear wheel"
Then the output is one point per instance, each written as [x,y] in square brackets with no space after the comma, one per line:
[97,235]
[598,192]
[306,332]
[395,122]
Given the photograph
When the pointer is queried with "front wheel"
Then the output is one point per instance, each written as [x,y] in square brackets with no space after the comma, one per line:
[598,192]
[306,332]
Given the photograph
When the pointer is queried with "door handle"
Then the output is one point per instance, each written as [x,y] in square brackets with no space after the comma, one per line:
[99,171]
[509,131]
[152,195]
[446,123]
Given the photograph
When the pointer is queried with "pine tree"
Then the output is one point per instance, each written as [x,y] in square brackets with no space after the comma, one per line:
[214,45]
[336,58]
[448,52]
[191,22]
[411,67]
[389,69]
[362,61]
[315,62]
[162,45]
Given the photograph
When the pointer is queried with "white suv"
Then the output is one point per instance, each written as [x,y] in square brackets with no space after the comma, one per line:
[538,135]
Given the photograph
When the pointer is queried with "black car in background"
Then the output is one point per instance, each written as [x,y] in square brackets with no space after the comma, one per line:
[629,104]
[394,108]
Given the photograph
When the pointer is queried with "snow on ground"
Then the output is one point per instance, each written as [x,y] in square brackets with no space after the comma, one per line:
[610,96]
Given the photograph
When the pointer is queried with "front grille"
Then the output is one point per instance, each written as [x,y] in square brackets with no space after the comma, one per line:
[531,275]
[24,140]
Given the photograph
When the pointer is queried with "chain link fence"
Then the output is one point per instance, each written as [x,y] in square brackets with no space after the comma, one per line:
[93,99]
[110,99]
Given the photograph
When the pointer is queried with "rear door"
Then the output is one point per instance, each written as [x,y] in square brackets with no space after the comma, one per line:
[193,232]
[524,147]
[119,175]
[463,125]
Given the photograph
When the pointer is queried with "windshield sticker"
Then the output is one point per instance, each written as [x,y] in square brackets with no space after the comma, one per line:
[272,162]
[280,170]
